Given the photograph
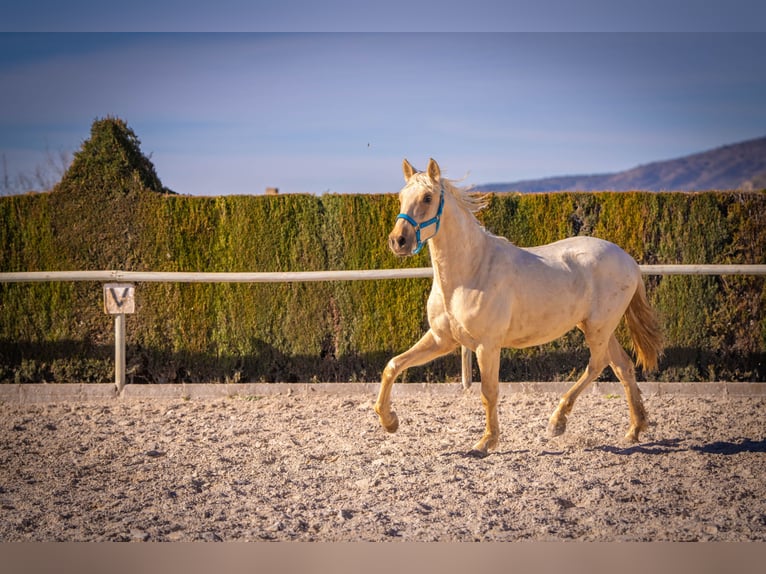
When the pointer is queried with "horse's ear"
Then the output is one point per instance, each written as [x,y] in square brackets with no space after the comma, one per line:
[433,171]
[408,170]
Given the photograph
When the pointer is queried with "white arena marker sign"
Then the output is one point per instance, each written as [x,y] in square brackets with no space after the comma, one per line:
[119,298]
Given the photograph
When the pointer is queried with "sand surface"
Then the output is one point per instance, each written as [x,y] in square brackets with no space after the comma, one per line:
[298,467]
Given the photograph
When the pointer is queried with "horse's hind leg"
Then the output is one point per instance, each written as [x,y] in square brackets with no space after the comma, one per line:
[426,349]
[557,424]
[623,368]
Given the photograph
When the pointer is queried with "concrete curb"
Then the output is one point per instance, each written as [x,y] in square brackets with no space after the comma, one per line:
[84,392]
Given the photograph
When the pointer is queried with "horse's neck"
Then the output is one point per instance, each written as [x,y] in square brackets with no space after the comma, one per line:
[458,249]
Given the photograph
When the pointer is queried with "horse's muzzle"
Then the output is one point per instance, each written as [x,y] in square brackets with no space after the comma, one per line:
[400,241]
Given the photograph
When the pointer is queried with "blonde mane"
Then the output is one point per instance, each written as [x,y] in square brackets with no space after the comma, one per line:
[471,201]
[468,200]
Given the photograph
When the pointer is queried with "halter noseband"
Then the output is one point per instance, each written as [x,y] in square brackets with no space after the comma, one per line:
[436,220]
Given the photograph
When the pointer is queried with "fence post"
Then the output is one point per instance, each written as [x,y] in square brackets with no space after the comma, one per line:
[118,300]
[119,351]
[467,366]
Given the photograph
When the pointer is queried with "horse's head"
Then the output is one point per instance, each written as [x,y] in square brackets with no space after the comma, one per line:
[421,201]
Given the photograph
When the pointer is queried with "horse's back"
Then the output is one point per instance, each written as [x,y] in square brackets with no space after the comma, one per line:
[580,244]
[575,281]
[587,254]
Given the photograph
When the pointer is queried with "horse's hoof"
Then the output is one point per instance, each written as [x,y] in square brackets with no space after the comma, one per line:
[392,424]
[556,428]
[482,448]
[389,422]
[632,436]
[635,430]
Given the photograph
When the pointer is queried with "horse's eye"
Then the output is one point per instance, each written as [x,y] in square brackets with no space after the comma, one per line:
[427,198]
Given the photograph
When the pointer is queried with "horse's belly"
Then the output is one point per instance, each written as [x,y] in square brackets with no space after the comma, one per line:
[528,328]
[522,340]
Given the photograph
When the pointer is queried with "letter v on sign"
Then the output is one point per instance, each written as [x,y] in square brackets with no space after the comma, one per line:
[119,298]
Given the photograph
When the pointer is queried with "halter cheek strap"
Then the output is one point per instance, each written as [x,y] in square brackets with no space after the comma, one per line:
[436,220]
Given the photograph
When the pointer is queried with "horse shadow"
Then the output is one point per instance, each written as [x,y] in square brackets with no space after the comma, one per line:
[729,448]
[657,447]
[478,455]
[745,445]
[666,446]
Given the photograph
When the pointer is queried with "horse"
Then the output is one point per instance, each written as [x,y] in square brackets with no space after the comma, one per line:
[488,294]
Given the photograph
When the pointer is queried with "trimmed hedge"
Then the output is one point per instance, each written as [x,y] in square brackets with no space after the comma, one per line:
[110,211]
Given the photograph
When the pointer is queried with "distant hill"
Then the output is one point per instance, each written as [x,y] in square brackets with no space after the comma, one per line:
[736,166]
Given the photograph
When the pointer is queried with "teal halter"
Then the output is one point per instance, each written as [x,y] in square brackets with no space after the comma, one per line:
[436,220]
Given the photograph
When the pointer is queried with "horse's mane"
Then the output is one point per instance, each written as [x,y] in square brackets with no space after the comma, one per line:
[468,200]
[471,201]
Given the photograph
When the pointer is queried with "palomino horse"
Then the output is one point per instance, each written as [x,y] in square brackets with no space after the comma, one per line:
[488,294]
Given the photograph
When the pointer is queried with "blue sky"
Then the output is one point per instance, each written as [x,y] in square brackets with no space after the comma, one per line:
[233,113]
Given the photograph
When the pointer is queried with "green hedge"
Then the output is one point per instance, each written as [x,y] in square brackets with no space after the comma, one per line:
[111,212]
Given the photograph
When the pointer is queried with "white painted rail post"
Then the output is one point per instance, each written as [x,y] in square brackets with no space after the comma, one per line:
[467,364]
[119,351]
[119,299]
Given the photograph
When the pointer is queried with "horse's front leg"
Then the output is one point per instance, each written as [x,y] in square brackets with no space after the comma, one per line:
[489,365]
[426,349]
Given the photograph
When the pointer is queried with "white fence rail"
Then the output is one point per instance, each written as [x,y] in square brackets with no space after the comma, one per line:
[307,276]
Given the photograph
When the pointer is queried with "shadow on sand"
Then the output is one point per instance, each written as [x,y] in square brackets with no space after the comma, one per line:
[674,445]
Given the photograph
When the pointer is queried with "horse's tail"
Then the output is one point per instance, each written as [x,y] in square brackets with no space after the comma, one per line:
[644,329]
